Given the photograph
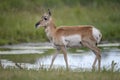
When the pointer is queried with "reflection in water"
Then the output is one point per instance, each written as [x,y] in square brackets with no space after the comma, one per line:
[76,60]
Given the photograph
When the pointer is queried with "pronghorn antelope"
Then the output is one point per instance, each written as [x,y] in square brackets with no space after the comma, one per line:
[71,36]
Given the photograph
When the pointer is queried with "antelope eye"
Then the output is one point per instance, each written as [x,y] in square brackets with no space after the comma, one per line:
[45,18]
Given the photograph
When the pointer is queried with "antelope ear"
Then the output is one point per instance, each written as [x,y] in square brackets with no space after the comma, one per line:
[49,12]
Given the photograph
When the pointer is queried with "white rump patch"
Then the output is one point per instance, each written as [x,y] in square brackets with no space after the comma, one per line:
[72,40]
[96,34]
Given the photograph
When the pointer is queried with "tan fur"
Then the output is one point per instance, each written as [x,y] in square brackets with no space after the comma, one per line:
[55,36]
[84,31]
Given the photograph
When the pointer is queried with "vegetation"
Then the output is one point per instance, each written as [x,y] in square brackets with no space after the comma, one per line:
[17,20]
[25,58]
[19,73]
[58,74]
[18,17]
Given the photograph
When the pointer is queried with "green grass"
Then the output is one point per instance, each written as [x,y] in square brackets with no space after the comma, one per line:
[19,58]
[58,74]
[17,18]
[25,58]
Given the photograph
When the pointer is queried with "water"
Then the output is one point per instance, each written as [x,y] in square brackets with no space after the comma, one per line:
[79,59]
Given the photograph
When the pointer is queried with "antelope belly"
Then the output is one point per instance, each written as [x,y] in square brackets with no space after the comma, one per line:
[72,40]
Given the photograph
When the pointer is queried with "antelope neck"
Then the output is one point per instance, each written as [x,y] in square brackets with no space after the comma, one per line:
[50,30]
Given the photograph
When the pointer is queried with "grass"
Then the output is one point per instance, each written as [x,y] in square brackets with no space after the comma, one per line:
[25,58]
[58,74]
[21,57]
[17,18]
[53,74]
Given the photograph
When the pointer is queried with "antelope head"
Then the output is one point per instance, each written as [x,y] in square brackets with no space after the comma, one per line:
[45,20]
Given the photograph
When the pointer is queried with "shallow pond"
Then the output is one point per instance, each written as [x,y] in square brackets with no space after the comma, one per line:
[78,58]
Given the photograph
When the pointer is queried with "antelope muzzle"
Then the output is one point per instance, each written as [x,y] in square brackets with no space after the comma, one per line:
[37,24]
